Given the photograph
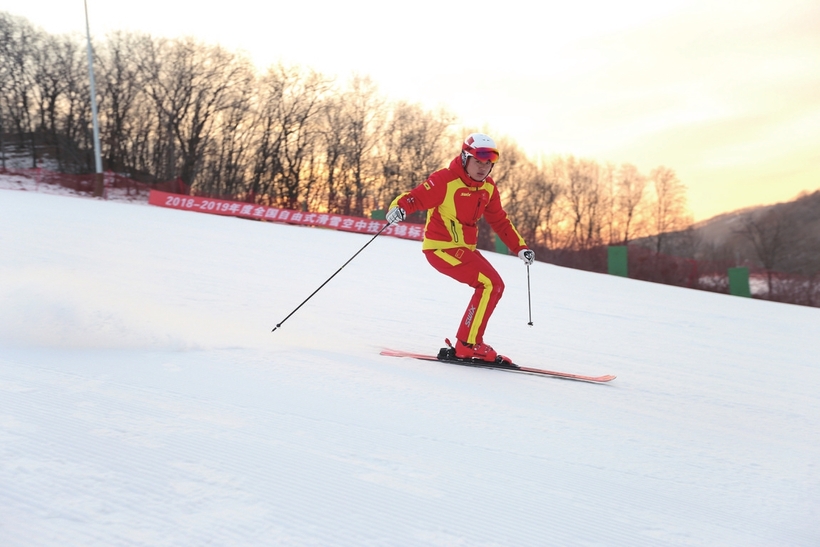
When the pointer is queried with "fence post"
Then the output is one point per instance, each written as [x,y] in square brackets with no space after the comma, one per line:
[739,282]
[617,260]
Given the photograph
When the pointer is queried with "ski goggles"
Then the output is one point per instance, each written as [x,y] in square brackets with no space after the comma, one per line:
[484,154]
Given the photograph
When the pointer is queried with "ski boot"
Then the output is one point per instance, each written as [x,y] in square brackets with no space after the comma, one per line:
[479,353]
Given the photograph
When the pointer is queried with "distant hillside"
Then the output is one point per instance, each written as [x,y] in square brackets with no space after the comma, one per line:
[782,237]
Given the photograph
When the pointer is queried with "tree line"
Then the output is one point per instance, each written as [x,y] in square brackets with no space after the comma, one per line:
[291,137]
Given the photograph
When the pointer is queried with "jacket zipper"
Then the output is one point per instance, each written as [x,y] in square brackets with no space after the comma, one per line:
[453,230]
[477,207]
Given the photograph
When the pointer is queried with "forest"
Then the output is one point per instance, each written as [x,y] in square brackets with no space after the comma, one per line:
[291,137]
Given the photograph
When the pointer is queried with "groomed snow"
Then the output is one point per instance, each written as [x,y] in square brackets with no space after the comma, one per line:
[145,401]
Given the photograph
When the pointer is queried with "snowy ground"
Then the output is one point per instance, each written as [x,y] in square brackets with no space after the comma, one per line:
[144,400]
[27,181]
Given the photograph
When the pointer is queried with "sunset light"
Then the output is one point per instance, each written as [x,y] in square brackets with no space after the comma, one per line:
[724,93]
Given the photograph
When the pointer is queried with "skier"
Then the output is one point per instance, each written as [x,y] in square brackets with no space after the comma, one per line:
[455,199]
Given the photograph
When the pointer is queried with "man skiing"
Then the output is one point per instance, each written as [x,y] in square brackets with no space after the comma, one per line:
[455,199]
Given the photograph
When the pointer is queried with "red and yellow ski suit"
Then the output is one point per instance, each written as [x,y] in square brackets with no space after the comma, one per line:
[454,203]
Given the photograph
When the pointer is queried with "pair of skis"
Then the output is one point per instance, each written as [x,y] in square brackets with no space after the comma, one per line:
[447,355]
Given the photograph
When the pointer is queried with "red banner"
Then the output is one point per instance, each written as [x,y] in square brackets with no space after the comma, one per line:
[288,216]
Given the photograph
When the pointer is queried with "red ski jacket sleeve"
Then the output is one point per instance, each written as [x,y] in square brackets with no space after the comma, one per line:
[454,204]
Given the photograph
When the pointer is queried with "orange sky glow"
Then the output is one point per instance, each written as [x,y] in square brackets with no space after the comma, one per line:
[726,93]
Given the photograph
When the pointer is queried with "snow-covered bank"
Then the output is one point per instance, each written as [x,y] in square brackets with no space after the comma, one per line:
[144,400]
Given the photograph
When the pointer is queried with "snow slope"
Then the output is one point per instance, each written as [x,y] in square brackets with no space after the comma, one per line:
[144,400]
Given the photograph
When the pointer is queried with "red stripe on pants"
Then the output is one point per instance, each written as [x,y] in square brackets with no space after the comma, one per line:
[471,268]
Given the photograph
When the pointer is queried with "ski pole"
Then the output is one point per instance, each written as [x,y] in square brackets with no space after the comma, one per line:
[279,324]
[529,297]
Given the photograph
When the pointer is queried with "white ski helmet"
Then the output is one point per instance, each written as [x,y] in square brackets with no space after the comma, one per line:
[479,146]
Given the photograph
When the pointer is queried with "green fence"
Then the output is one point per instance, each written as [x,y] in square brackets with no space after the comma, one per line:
[499,246]
[617,260]
[739,282]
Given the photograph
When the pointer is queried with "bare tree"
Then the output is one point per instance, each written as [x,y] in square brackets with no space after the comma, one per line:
[534,210]
[410,149]
[46,98]
[767,235]
[48,85]
[631,186]
[363,117]
[668,210]
[5,40]
[292,100]
[120,92]
[77,116]
[231,144]
[584,202]
[19,41]
[530,192]
[331,135]
[190,85]
[550,189]
[610,218]
[267,167]
[297,122]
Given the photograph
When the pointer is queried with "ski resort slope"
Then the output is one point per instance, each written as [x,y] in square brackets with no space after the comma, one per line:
[144,400]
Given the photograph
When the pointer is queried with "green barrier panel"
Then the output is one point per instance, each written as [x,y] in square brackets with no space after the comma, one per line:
[616,260]
[500,247]
[739,282]
[378,214]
